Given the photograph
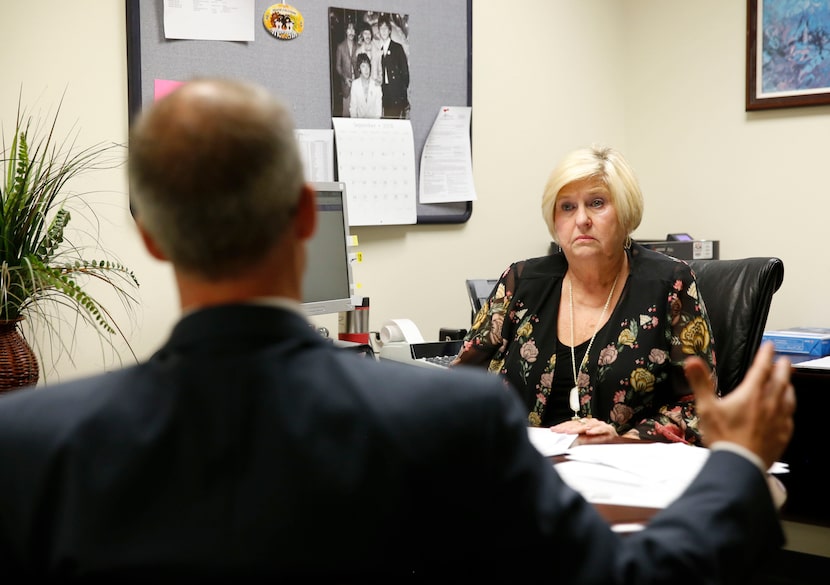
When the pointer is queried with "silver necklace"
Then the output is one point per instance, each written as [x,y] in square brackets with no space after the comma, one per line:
[573,397]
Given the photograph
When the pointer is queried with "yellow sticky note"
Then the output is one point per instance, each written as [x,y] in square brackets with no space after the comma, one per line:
[353,240]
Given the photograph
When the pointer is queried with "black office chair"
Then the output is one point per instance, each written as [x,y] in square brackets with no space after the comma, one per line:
[478,290]
[737,294]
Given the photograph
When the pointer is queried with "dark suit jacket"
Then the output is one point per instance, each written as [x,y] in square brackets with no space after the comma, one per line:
[248,445]
[344,63]
[394,74]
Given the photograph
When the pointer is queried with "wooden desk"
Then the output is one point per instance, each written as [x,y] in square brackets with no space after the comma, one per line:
[615,514]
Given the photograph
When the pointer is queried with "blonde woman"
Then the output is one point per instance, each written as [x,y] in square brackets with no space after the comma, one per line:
[594,337]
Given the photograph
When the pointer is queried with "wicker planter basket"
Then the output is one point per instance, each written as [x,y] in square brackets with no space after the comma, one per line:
[18,365]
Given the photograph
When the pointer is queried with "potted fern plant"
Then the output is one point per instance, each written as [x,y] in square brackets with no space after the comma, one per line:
[43,268]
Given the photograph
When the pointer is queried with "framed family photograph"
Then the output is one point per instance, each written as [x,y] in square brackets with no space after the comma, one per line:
[788,54]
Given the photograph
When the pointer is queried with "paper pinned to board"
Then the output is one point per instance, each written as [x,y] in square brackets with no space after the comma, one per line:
[216,20]
[446,173]
[316,152]
[376,160]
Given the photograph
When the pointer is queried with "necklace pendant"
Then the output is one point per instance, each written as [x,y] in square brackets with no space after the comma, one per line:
[573,401]
[573,397]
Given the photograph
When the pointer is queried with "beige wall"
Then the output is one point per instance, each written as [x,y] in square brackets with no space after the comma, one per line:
[49,48]
[662,80]
[755,181]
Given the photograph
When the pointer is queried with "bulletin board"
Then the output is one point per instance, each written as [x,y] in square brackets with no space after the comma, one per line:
[440,64]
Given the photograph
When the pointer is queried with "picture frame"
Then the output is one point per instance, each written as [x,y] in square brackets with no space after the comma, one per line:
[786,65]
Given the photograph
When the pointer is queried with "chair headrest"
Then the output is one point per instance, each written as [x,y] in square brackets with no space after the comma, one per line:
[737,295]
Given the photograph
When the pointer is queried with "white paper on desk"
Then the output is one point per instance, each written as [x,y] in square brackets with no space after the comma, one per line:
[822,363]
[446,161]
[549,443]
[317,153]
[607,485]
[212,20]
[376,160]
[651,475]
[655,461]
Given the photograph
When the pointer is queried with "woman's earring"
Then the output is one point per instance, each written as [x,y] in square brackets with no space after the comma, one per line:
[627,244]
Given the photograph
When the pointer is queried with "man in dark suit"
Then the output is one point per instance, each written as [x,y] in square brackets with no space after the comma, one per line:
[394,73]
[344,58]
[249,446]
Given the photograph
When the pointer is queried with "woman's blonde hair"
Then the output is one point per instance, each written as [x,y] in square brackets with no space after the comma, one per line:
[606,165]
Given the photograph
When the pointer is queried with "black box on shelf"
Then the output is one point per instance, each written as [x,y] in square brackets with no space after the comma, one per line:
[685,250]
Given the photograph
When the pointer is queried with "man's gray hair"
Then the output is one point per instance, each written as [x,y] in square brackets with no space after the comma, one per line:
[215,174]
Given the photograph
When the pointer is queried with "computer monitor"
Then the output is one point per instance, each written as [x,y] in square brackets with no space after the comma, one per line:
[327,285]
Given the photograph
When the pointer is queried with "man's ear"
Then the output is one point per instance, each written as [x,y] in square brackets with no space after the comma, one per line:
[150,243]
[305,219]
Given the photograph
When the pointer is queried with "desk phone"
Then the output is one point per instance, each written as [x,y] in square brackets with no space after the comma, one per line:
[429,354]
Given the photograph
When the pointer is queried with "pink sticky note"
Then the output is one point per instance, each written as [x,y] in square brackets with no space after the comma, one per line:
[162,87]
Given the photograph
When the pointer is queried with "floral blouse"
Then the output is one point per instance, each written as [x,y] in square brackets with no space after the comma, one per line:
[634,377]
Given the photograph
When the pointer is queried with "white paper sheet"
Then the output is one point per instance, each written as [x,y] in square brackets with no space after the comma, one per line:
[822,363]
[213,20]
[650,475]
[317,152]
[376,160]
[549,443]
[653,461]
[446,161]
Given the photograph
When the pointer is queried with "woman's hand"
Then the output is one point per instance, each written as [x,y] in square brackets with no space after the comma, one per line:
[590,431]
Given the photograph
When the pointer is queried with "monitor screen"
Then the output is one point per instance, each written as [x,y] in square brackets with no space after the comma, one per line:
[328,286]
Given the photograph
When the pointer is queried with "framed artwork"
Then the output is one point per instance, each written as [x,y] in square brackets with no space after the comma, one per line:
[787,54]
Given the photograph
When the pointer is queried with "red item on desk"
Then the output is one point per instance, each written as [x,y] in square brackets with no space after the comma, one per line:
[354,325]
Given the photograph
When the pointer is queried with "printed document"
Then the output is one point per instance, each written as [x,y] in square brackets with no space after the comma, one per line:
[209,20]
[446,161]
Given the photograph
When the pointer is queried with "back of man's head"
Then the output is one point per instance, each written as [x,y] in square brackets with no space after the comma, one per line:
[215,174]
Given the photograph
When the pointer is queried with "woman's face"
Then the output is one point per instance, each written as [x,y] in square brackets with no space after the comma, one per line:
[586,221]
[365,70]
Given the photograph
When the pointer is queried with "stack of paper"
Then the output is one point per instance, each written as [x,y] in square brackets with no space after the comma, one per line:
[549,443]
[650,475]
